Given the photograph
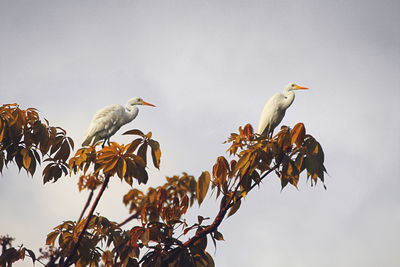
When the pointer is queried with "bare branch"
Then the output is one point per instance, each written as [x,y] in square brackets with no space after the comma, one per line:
[86,206]
[74,250]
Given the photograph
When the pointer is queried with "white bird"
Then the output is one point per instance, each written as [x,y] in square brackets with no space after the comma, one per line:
[274,110]
[108,120]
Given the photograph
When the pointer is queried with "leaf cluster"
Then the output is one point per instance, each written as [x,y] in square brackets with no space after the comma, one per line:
[158,228]
[127,162]
[27,141]
[10,254]
[288,153]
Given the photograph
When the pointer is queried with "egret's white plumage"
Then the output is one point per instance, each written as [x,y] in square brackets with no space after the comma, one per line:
[107,121]
[274,110]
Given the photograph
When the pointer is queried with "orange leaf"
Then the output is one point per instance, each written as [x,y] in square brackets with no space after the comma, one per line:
[298,134]
[155,153]
[202,186]
[26,159]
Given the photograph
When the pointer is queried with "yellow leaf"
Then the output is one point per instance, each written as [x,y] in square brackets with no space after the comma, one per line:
[26,159]
[51,238]
[202,186]
[155,153]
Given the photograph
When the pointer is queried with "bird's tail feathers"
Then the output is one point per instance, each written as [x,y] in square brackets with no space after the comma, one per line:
[87,141]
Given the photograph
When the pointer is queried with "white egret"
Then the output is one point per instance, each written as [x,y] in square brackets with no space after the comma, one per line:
[274,110]
[108,120]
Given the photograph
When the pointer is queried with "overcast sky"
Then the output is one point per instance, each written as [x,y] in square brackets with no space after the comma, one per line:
[209,67]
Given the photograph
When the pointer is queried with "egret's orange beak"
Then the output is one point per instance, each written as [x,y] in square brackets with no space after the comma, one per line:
[299,87]
[148,104]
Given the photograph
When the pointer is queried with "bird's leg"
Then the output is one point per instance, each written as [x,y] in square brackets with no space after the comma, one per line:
[270,134]
[108,141]
[104,143]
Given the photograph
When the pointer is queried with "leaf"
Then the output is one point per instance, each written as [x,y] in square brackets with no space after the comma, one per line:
[202,186]
[155,153]
[26,159]
[148,135]
[133,145]
[32,255]
[184,204]
[210,261]
[142,175]
[134,132]
[242,162]
[218,236]
[145,237]
[51,238]
[142,152]
[298,134]
[234,208]
[64,151]
[56,144]
[201,243]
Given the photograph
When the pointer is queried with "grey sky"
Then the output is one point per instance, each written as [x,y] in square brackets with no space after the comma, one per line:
[210,66]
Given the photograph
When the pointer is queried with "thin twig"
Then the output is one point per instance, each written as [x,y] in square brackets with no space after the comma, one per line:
[86,206]
[27,254]
[89,217]
[130,218]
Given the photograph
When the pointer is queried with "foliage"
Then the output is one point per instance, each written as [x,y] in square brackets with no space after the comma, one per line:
[28,141]
[156,233]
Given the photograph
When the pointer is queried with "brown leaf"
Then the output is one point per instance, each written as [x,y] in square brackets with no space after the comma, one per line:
[234,208]
[133,145]
[242,162]
[142,152]
[134,132]
[51,238]
[63,152]
[202,186]
[155,153]
[142,175]
[26,159]
[298,134]
[218,236]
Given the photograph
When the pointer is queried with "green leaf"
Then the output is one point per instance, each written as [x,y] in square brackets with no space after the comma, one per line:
[202,186]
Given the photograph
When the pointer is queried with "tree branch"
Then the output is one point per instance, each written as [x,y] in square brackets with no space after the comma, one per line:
[86,206]
[220,216]
[75,249]
[130,218]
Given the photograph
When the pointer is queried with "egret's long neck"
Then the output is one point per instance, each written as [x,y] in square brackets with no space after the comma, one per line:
[289,98]
[131,114]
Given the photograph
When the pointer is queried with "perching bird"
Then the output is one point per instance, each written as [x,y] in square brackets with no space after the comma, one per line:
[274,110]
[107,121]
